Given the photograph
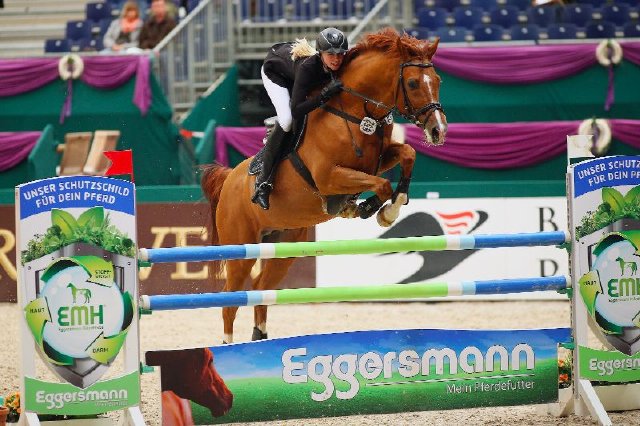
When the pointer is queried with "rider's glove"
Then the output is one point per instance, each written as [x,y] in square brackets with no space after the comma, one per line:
[330,90]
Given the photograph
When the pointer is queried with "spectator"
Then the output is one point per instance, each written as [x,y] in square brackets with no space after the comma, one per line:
[122,35]
[157,26]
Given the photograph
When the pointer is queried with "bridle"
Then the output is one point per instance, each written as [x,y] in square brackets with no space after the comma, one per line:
[411,114]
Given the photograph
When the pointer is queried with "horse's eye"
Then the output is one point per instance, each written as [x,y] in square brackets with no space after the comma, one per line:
[413,83]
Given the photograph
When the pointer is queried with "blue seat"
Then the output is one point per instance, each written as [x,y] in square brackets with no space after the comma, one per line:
[305,10]
[78,30]
[95,12]
[595,3]
[452,34]
[339,9]
[525,32]
[505,16]
[467,17]
[600,29]
[562,31]
[418,32]
[616,13]
[91,45]
[631,29]
[56,45]
[577,13]
[485,5]
[447,4]
[543,16]
[522,5]
[269,10]
[490,32]
[432,18]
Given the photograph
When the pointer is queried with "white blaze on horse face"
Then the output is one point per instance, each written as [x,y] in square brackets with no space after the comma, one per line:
[436,113]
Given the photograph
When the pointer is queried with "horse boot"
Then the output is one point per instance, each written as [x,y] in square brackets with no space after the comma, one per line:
[264,180]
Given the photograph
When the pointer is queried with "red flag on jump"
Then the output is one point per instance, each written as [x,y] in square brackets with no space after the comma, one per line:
[121,163]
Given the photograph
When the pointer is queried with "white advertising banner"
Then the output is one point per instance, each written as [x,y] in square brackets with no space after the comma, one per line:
[423,217]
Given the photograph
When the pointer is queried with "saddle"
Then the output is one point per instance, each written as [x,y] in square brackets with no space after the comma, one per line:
[334,203]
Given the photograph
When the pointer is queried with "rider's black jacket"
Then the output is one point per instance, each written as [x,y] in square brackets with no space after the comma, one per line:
[300,77]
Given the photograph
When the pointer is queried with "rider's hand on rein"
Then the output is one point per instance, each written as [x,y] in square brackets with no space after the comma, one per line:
[330,90]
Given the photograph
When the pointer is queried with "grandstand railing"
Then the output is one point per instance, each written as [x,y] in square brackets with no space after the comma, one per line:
[198,51]
[218,32]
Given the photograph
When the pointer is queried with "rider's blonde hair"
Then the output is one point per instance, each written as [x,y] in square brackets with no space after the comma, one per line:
[301,49]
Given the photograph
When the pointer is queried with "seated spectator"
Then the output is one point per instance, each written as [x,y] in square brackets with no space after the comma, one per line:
[157,26]
[123,33]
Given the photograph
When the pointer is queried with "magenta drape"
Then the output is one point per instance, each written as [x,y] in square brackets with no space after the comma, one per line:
[15,147]
[104,72]
[484,146]
[516,65]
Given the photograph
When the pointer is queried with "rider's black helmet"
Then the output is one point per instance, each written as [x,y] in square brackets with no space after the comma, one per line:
[332,40]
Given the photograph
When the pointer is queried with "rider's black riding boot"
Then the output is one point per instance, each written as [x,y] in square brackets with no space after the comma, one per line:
[264,180]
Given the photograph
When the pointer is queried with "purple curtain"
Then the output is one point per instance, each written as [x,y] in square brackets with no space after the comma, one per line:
[516,65]
[631,51]
[246,140]
[104,72]
[497,146]
[15,147]
[493,146]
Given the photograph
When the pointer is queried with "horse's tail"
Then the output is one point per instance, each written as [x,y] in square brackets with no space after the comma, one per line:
[213,177]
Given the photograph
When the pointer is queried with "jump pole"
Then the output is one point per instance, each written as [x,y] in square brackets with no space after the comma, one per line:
[341,247]
[419,290]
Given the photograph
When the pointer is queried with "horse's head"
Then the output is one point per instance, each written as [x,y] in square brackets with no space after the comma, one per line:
[407,60]
[418,95]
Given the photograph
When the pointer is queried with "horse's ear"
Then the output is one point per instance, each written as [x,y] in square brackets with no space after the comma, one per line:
[432,47]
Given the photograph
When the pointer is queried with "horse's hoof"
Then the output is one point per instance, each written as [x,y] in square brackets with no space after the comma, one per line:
[381,217]
[258,335]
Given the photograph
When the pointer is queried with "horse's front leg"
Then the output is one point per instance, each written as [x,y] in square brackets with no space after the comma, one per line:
[341,180]
[404,155]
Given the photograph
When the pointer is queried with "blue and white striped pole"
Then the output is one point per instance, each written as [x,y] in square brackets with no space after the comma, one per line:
[371,246]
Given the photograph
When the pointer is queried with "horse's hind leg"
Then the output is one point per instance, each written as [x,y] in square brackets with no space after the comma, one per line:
[273,272]
[237,272]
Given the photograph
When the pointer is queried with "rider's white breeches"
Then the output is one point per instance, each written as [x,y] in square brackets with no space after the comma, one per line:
[281,101]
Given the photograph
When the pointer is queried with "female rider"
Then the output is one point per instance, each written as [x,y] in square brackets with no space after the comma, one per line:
[289,74]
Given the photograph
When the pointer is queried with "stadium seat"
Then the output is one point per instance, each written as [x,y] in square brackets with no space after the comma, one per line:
[269,10]
[452,34]
[78,30]
[485,5]
[520,4]
[305,10]
[490,32]
[631,29]
[92,45]
[543,16]
[56,45]
[595,3]
[616,13]
[577,13]
[562,31]
[505,16]
[432,18]
[418,32]
[524,32]
[467,17]
[446,4]
[95,12]
[600,29]
[339,9]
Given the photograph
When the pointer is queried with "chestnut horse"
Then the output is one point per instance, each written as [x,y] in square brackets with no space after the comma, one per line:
[383,74]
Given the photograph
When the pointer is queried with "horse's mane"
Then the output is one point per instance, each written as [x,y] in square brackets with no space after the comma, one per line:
[390,42]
